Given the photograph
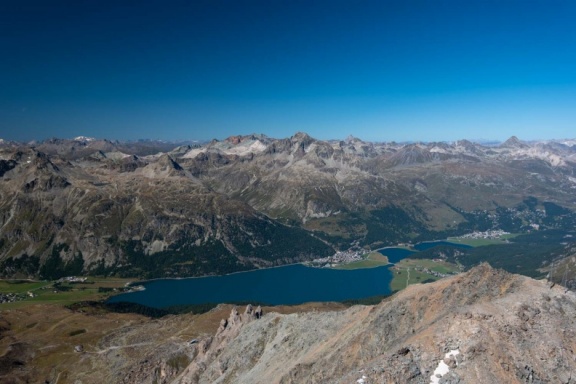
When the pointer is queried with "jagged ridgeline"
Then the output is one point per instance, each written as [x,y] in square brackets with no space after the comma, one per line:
[155,209]
[480,326]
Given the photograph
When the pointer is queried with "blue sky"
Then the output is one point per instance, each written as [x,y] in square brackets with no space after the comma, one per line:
[379,70]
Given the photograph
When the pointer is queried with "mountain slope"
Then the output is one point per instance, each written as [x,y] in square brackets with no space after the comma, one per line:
[501,327]
[122,222]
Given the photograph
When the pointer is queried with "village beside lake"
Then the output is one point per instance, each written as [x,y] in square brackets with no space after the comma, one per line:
[406,271]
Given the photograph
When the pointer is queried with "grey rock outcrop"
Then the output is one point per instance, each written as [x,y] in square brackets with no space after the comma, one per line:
[209,348]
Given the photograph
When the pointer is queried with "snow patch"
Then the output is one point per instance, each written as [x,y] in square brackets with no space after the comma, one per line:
[241,149]
[244,149]
[569,143]
[193,153]
[116,155]
[362,380]
[538,153]
[438,150]
[83,138]
[442,367]
[310,148]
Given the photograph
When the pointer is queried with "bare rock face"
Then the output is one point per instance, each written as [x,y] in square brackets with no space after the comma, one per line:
[258,312]
[223,325]
[252,312]
[485,326]
[236,321]
[211,347]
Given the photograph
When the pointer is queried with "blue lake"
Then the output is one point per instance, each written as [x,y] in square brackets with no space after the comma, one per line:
[293,284]
[395,254]
[431,244]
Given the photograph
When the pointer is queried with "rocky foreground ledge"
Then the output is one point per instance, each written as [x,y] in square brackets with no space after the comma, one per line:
[484,326]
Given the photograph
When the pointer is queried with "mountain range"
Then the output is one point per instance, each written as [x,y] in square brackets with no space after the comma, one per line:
[158,209]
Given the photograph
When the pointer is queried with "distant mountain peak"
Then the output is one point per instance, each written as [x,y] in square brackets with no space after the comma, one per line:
[301,136]
[167,162]
[352,139]
[234,139]
[513,142]
[83,138]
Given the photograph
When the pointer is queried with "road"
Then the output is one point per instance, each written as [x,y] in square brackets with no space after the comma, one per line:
[407,277]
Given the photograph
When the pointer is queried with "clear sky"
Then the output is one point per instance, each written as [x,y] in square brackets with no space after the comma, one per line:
[379,70]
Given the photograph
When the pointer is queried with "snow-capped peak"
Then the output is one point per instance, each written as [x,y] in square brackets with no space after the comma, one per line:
[83,138]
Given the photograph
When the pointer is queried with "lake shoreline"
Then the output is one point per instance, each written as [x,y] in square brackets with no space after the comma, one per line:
[410,247]
[286,285]
[376,271]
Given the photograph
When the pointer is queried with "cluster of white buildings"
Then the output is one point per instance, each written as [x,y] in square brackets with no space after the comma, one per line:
[73,279]
[340,257]
[490,234]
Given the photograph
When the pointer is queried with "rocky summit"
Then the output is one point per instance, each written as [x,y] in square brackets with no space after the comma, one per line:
[155,209]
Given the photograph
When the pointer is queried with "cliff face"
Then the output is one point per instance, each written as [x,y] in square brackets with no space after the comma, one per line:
[485,326]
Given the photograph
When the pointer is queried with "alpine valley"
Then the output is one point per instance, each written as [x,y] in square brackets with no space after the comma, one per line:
[81,218]
[154,209]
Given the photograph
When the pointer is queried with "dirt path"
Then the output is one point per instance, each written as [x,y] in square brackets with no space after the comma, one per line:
[408,276]
[114,347]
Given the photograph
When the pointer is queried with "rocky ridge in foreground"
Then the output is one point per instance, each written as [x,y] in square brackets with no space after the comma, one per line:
[484,326]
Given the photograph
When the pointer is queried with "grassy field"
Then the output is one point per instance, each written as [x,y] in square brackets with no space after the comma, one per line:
[405,277]
[436,266]
[21,286]
[408,271]
[372,260]
[45,292]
